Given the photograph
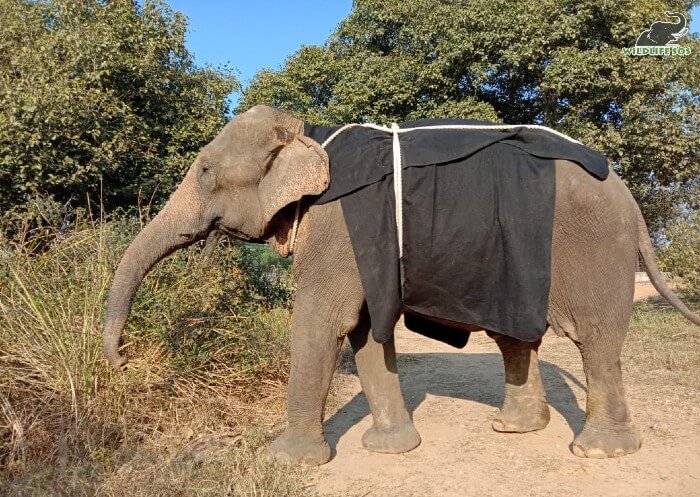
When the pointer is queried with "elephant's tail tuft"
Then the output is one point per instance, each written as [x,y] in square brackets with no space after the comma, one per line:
[655,276]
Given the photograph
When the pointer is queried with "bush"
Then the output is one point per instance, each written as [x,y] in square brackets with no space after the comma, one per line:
[98,95]
[205,347]
[680,255]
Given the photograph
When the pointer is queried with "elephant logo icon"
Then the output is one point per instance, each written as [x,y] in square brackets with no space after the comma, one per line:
[664,34]
[661,38]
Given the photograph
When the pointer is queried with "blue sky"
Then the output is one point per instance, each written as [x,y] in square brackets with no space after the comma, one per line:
[252,35]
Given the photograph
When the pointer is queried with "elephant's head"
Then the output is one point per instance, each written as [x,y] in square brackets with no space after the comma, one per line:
[258,164]
[665,32]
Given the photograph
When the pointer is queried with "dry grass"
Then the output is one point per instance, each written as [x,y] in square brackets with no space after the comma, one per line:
[216,464]
[208,347]
[664,346]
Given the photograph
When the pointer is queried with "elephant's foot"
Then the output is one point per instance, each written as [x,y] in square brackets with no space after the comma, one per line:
[298,448]
[610,441]
[522,414]
[400,439]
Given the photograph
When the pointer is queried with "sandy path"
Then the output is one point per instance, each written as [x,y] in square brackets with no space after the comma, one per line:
[453,394]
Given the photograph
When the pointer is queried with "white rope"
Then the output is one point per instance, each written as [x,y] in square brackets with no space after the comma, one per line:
[450,126]
[398,191]
[338,132]
[494,126]
[396,148]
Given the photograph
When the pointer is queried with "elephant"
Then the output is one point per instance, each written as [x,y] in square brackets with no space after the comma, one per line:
[260,172]
[661,34]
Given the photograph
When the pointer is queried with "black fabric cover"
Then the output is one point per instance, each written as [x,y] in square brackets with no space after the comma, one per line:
[435,330]
[477,221]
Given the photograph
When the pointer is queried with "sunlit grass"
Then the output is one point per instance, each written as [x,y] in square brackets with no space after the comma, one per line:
[663,345]
[208,348]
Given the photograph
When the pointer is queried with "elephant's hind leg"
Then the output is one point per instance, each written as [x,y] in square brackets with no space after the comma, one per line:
[594,257]
[525,405]
[609,431]
[392,431]
[594,312]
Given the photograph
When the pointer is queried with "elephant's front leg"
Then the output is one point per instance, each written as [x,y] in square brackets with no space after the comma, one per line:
[392,431]
[317,332]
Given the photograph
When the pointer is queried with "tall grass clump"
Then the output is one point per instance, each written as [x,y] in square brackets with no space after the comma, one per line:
[208,347]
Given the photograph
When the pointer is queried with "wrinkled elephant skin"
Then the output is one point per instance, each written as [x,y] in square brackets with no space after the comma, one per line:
[247,182]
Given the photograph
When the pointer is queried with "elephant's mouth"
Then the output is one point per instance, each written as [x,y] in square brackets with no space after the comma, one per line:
[190,237]
[239,235]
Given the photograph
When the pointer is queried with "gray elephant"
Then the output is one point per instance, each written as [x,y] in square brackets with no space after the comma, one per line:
[248,182]
[661,34]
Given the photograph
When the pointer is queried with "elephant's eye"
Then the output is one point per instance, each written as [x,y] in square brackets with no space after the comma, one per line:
[207,178]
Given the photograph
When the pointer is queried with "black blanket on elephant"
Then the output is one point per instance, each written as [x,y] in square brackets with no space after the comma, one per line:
[478,209]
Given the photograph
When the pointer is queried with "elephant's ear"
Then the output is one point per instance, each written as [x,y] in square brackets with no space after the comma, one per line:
[300,168]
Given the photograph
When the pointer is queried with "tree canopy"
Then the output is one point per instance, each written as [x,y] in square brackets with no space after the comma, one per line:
[100,93]
[554,62]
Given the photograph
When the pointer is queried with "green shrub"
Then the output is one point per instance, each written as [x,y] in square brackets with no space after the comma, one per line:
[680,256]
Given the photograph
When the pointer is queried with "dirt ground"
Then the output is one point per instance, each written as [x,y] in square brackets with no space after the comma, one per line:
[453,395]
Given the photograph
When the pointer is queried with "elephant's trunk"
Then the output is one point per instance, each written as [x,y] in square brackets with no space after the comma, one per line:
[178,225]
[681,20]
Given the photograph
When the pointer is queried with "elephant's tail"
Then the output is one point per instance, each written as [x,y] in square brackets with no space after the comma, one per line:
[655,276]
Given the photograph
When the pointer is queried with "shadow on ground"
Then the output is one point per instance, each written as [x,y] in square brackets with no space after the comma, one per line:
[471,377]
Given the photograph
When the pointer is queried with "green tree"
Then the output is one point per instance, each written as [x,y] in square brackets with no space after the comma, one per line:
[552,62]
[100,93]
